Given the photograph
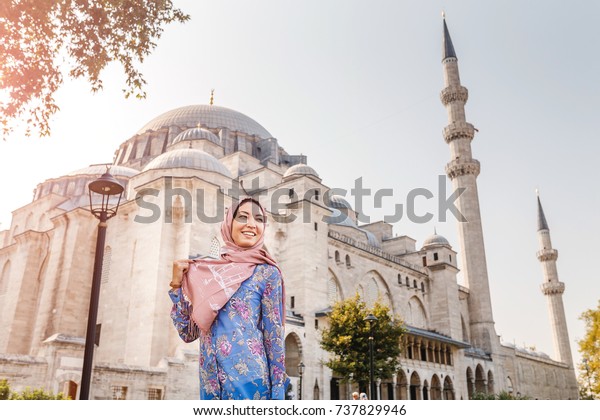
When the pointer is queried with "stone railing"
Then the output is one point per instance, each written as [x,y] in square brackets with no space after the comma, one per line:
[375,251]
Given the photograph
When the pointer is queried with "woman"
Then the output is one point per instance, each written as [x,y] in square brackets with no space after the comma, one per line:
[235,307]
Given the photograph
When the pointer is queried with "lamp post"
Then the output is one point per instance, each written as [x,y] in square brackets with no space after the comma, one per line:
[371,319]
[100,192]
[300,372]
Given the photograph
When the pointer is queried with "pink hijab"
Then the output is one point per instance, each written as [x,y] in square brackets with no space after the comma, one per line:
[208,284]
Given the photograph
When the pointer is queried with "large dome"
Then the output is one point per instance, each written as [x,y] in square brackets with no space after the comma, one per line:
[188,158]
[209,116]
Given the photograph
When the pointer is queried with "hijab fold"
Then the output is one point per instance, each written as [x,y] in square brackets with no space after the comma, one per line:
[209,284]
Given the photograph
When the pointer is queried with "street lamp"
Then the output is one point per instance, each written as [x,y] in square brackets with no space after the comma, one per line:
[300,372]
[103,208]
[371,319]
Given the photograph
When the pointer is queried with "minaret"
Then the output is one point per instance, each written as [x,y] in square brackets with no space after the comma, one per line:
[553,289]
[463,171]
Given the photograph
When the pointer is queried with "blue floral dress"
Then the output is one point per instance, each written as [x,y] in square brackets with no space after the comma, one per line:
[243,355]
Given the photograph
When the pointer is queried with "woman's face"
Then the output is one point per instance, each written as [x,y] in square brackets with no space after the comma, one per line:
[248,225]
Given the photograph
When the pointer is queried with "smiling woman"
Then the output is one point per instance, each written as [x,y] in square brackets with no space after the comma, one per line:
[248,224]
[235,306]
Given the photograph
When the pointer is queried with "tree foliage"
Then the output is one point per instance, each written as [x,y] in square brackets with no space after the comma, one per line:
[502,395]
[589,347]
[42,41]
[347,339]
[27,393]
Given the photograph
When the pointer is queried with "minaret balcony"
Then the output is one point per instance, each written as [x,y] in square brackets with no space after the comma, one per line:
[454,94]
[547,255]
[458,130]
[462,166]
[553,288]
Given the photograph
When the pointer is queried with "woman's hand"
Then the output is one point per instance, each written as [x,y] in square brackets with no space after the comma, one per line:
[179,267]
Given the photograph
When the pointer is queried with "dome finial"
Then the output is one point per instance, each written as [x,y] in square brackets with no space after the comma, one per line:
[212,96]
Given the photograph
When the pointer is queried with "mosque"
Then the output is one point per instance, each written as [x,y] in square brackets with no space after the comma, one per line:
[180,171]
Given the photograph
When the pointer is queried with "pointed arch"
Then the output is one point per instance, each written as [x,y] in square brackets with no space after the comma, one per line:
[415,387]
[376,288]
[29,222]
[316,391]
[425,390]
[4,274]
[417,317]
[470,382]
[293,354]
[401,386]
[436,388]
[480,380]
[448,389]
[490,382]
[334,291]
[509,385]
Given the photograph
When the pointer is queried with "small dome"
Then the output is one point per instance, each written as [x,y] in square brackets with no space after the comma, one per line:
[188,158]
[338,202]
[371,239]
[299,170]
[436,240]
[339,218]
[100,169]
[197,134]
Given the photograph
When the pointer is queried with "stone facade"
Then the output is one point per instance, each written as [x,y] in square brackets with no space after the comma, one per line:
[180,172]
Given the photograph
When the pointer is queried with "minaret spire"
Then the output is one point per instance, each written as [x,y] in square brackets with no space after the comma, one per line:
[448,48]
[463,171]
[553,289]
[542,223]
[212,96]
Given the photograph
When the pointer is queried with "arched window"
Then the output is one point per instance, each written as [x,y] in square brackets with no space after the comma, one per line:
[415,284]
[348,263]
[337,257]
[399,280]
[407,282]
[422,287]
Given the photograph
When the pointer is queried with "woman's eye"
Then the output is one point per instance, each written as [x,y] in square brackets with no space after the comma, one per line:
[259,219]
[242,219]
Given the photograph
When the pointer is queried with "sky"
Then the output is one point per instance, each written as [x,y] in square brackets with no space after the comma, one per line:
[354,86]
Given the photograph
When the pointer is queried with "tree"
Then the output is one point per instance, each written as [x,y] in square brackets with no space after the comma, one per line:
[347,339]
[589,347]
[27,393]
[42,41]
[502,395]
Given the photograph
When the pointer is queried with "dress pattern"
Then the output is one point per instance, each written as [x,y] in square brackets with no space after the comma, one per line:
[243,355]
